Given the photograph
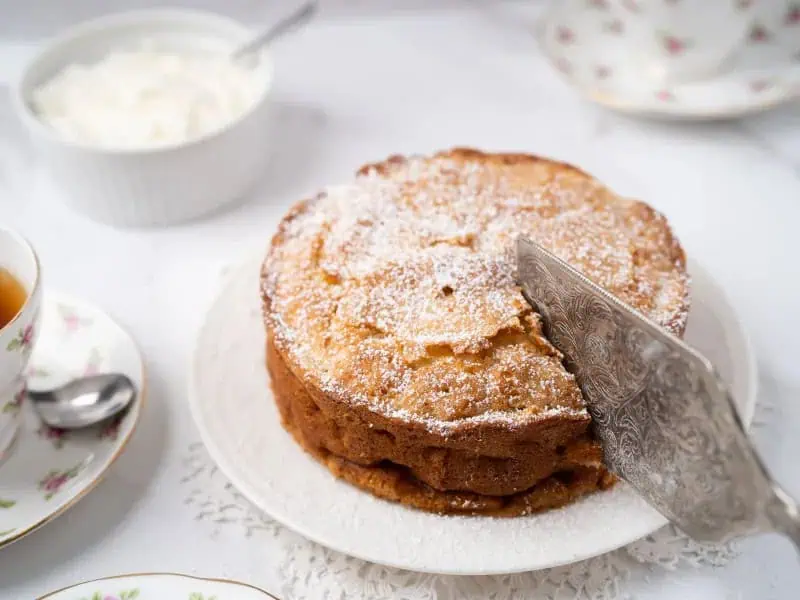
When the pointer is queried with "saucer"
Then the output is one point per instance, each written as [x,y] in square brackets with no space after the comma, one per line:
[157,586]
[587,48]
[48,470]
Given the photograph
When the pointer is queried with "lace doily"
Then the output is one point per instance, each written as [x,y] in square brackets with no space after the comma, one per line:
[309,571]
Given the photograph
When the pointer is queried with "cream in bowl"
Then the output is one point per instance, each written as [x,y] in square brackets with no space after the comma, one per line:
[142,118]
[147,97]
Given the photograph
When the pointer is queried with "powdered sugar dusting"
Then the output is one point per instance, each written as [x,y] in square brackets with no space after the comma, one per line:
[442,310]
[398,290]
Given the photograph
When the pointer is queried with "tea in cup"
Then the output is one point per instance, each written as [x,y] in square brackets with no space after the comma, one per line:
[20,301]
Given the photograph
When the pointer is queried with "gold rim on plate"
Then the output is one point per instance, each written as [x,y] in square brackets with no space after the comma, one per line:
[160,574]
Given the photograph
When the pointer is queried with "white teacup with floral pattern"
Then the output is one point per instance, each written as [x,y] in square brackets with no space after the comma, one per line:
[666,40]
[18,335]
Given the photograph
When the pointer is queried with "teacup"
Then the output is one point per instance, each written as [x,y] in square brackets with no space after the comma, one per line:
[685,39]
[777,22]
[17,336]
[665,40]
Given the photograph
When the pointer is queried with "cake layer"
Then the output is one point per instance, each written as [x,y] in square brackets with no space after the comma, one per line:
[398,483]
[395,484]
[335,431]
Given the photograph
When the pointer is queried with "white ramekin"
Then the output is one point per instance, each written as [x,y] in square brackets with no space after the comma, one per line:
[159,186]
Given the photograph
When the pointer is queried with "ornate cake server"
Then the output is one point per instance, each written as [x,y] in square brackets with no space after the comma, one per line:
[666,420]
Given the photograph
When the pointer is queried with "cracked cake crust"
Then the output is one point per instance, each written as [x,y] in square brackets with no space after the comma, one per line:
[402,353]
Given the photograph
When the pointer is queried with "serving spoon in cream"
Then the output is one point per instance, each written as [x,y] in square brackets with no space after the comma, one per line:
[297,17]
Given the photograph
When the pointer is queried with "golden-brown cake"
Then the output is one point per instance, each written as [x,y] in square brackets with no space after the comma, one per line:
[401,351]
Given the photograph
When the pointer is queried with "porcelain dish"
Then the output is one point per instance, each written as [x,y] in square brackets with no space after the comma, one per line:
[590,46]
[236,415]
[150,186]
[49,470]
[159,586]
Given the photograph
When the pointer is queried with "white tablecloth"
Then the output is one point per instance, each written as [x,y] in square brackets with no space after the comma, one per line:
[350,88]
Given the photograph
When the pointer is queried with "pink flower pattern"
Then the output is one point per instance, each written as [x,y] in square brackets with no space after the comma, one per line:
[665,96]
[760,85]
[615,27]
[563,65]
[53,434]
[759,33]
[110,431]
[565,35]
[71,320]
[602,72]
[674,46]
[793,16]
[632,5]
[131,594]
[55,479]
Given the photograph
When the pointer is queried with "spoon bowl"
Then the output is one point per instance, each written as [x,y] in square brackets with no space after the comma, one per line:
[85,401]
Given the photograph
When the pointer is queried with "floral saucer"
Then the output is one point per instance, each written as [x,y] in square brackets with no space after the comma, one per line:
[159,586]
[588,47]
[48,470]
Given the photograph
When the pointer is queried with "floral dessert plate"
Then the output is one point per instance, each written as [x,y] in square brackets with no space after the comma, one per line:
[586,42]
[233,407]
[159,586]
[48,470]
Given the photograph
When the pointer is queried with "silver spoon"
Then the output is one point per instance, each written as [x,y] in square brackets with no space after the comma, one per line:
[85,401]
[297,17]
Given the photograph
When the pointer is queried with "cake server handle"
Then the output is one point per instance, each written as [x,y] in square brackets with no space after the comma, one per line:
[784,515]
[667,421]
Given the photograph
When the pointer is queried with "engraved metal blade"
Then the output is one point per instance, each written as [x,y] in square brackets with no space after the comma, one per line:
[665,419]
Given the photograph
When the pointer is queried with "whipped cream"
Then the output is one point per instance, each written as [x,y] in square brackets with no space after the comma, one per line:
[147,98]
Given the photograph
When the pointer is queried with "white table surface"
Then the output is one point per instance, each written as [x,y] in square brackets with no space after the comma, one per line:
[354,87]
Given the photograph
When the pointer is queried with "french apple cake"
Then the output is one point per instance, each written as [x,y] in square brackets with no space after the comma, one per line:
[402,353]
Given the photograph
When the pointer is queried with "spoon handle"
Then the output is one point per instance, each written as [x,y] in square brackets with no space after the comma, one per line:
[298,17]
